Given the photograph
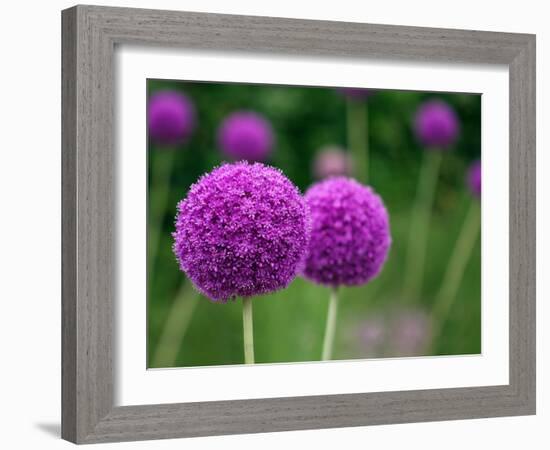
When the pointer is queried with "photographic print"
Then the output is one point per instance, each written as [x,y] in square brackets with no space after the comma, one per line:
[293,224]
[292,230]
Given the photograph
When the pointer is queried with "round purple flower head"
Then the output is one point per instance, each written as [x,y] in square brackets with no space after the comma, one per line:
[241,231]
[170,118]
[436,124]
[350,235]
[474,178]
[331,161]
[246,135]
[356,93]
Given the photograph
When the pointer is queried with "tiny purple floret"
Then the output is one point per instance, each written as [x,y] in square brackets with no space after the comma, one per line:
[473,178]
[331,161]
[242,230]
[350,234]
[436,125]
[170,118]
[246,135]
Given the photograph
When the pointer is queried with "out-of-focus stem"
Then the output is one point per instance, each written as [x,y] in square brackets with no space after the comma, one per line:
[455,269]
[330,329]
[176,325]
[420,223]
[248,331]
[357,130]
[160,181]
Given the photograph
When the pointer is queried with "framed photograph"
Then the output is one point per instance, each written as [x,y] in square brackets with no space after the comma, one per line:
[277,224]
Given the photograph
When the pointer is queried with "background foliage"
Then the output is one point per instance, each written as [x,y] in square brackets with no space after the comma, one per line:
[289,325]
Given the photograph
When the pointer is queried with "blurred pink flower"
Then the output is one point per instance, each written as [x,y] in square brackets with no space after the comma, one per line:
[331,161]
[410,333]
[372,334]
[406,332]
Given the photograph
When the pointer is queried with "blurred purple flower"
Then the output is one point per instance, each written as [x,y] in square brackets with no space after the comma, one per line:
[473,178]
[436,125]
[410,333]
[242,230]
[246,135]
[356,93]
[350,236]
[170,118]
[372,334]
[331,161]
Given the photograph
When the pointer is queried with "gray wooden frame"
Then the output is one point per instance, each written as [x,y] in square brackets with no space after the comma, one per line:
[90,34]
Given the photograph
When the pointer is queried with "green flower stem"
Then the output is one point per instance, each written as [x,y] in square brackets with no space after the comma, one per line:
[420,223]
[176,325]
[456,267]
[357,130]
[330,329]
[160,180]
[248,331]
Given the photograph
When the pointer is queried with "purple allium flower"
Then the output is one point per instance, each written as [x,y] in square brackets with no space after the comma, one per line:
[411,333]
[170,117]
[331,161]
[350,235]
[356,93]
[436,124]
[473,178]
[246,135]
[242,230]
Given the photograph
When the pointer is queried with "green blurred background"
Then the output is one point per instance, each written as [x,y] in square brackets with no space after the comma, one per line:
[375,320]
